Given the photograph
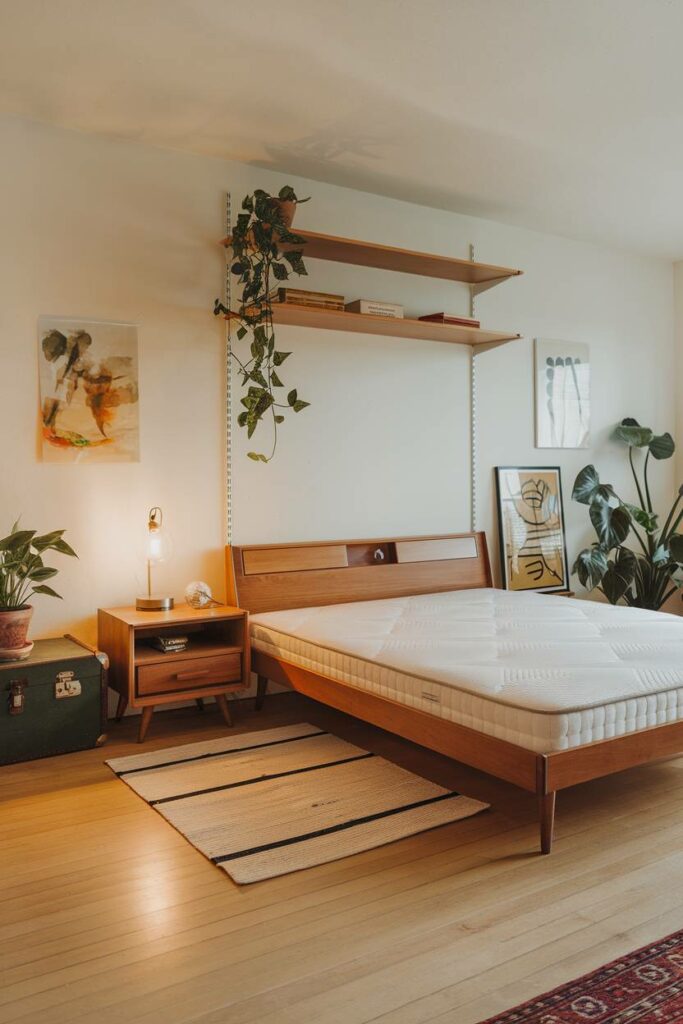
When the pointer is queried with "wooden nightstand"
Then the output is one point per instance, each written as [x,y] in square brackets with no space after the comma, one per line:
[216,661]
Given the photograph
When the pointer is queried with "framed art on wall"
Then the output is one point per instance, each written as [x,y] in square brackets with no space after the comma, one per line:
[533,550]
[562,370]
[88,390]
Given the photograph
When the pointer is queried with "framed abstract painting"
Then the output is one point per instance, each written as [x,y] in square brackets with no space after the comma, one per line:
[88,390]
[562,394]
[533,550]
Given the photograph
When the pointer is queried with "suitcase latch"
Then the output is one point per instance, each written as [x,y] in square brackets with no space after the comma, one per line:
[66,685]
[17,697]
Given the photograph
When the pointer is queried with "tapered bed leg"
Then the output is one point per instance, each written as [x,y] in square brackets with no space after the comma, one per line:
[546,807]
[261,690]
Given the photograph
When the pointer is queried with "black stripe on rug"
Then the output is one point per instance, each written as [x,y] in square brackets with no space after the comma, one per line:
[259,778]
[332,828]
[219,753]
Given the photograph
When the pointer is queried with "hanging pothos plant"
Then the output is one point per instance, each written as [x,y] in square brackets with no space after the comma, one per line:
[263,258]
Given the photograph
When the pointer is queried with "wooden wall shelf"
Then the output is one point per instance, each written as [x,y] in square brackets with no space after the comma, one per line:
[406,261]
[395,327]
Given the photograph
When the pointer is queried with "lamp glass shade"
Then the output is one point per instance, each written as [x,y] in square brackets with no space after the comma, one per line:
[158,546]
[158,550]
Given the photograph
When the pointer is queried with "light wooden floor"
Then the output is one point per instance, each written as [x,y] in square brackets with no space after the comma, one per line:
[108,915]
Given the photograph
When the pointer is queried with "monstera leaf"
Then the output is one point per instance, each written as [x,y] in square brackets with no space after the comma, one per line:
[676,548]
[631,433]
[590,566]
[662,446]
[621,572]
[648,520]
[612,522]
[587,486]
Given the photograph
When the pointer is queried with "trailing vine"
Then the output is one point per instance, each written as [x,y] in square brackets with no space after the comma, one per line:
[265,252]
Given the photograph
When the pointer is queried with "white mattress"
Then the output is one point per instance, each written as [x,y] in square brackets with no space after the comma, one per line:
[543,672]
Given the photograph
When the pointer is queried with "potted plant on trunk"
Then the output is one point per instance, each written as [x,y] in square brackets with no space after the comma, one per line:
[22,574]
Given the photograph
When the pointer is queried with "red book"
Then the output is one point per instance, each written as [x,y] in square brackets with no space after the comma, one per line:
[447,318]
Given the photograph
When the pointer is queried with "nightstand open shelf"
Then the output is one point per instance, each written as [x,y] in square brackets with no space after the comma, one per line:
[199,648]
[214,663]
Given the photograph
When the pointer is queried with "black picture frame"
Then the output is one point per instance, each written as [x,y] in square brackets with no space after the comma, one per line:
[501,499]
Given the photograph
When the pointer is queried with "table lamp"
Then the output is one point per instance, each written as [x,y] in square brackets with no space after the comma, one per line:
[157,551]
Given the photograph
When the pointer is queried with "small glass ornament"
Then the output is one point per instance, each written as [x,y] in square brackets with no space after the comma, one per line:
[198,594]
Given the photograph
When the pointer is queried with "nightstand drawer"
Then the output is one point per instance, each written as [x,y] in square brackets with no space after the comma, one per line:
[188,674]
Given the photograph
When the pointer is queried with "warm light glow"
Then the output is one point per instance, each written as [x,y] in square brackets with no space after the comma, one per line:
[158,550]
[155,549]
[158,545]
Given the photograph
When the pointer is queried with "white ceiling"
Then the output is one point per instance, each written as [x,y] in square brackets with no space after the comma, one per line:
[562,115]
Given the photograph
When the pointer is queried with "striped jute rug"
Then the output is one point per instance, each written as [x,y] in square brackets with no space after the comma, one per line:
[266,803]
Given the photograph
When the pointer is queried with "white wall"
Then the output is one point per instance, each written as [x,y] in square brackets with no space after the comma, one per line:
[115,230]
[678,323]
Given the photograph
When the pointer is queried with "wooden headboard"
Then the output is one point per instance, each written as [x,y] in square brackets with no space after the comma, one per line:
[263,578]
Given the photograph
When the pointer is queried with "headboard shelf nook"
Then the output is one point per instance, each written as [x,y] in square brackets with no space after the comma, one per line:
[272,577]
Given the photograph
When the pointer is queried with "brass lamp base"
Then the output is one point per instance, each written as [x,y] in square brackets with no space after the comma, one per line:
[154,604]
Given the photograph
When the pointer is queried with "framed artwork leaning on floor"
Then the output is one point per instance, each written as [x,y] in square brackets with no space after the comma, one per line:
[533,550]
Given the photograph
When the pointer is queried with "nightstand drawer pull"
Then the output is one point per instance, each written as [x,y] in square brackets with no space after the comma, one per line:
[191,675]
[176,676]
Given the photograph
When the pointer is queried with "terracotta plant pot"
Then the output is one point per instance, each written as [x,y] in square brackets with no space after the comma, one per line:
[287,209]
[13,631]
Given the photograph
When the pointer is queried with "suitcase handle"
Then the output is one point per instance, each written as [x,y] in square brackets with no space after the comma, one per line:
[17,697]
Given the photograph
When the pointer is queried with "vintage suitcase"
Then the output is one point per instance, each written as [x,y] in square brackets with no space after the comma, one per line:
[52,702]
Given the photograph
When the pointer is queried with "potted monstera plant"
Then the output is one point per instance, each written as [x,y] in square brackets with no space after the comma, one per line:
[264,254]
[637,558]
[23,573]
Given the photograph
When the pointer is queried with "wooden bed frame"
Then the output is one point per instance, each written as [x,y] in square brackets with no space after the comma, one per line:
[274,577]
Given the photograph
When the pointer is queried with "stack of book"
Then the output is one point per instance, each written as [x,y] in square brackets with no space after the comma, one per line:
[451,318]
[374,307]
[169,644]
[301,297]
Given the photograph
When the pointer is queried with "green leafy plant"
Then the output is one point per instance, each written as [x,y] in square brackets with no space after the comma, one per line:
[648,576]
[22,570]
[265,253]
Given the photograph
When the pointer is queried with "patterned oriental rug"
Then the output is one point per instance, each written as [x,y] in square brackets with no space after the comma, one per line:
[645,987]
